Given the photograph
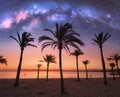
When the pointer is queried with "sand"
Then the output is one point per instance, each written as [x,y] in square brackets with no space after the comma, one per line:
[42,88]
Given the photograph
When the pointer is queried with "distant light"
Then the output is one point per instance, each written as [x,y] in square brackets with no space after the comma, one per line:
[108,16]
[34,6]
[43,11]
[74,14]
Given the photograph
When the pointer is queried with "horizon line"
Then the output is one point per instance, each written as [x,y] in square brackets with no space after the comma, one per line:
[90,70]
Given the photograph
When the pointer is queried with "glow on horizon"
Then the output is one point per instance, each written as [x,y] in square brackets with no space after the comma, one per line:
[30,59]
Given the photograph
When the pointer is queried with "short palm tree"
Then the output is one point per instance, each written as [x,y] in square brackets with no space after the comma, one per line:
[3,60]
[23,42]
[38,65]
[85,62]
[112,65]
[63,37]
[77,53]
[116,58]
[99,40]
[49,59]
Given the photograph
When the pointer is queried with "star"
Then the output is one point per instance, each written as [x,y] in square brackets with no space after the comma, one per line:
[108,16]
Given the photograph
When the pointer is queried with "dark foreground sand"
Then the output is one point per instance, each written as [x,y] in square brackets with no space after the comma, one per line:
[51,88]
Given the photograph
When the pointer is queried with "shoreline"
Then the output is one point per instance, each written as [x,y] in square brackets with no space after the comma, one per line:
[52,74]
[93,87]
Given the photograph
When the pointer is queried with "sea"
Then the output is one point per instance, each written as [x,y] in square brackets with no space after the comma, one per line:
[52,74]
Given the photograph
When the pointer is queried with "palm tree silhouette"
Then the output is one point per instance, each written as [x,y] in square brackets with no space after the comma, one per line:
[115,57]
[112,65]
[49,59]
[63,37]
[38,65]
[23,42]
[85,62]
[3,60]
[99,40]
[77,53]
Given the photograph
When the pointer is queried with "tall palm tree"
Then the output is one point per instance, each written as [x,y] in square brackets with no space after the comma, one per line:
[85,62]
[49,59]
[99,40]
[63,37]
[115,57]
[112,65]
[77,53]
[23,42]
[38,65]
[3,60]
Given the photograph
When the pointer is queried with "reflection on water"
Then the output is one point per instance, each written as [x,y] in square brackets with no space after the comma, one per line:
[52,74]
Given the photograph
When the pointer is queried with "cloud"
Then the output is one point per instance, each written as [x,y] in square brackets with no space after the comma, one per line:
[19,16]
[22,15]
[6,23]
[34,23]
[57,17]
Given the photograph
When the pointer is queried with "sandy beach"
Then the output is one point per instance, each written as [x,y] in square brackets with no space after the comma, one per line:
[42,88]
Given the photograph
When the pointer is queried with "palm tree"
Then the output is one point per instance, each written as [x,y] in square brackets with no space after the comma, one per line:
[112,65]
[38,65]
[85,62]
[49,59]
[115,57]
[3,60]
[63,37]
[77,53]
[99,40]
[23,42]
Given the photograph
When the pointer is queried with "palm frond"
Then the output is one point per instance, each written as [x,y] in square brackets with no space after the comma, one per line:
[44,46]
[85,62]
[24,40]
[112,65]
[114,57]
[101,38]
[49,58]
[50,31]
[77,52]
[44,38]
[106,37]
[62,37]
[19,39]
[15,39]
[3,60]
[31,45]
[66,48]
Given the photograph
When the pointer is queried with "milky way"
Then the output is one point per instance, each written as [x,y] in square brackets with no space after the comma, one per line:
[87,16]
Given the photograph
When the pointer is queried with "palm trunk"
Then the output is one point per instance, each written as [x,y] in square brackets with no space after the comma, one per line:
[38,73]
[86,72]
[103,65]
[113,73]
[61,73]
[47,71]
[16,84]
[118,68]
[77,68]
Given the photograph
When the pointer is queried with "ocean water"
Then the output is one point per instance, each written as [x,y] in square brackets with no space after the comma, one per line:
[52,74]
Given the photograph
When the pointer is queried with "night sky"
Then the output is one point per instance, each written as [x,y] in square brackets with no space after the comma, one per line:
[88,17]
